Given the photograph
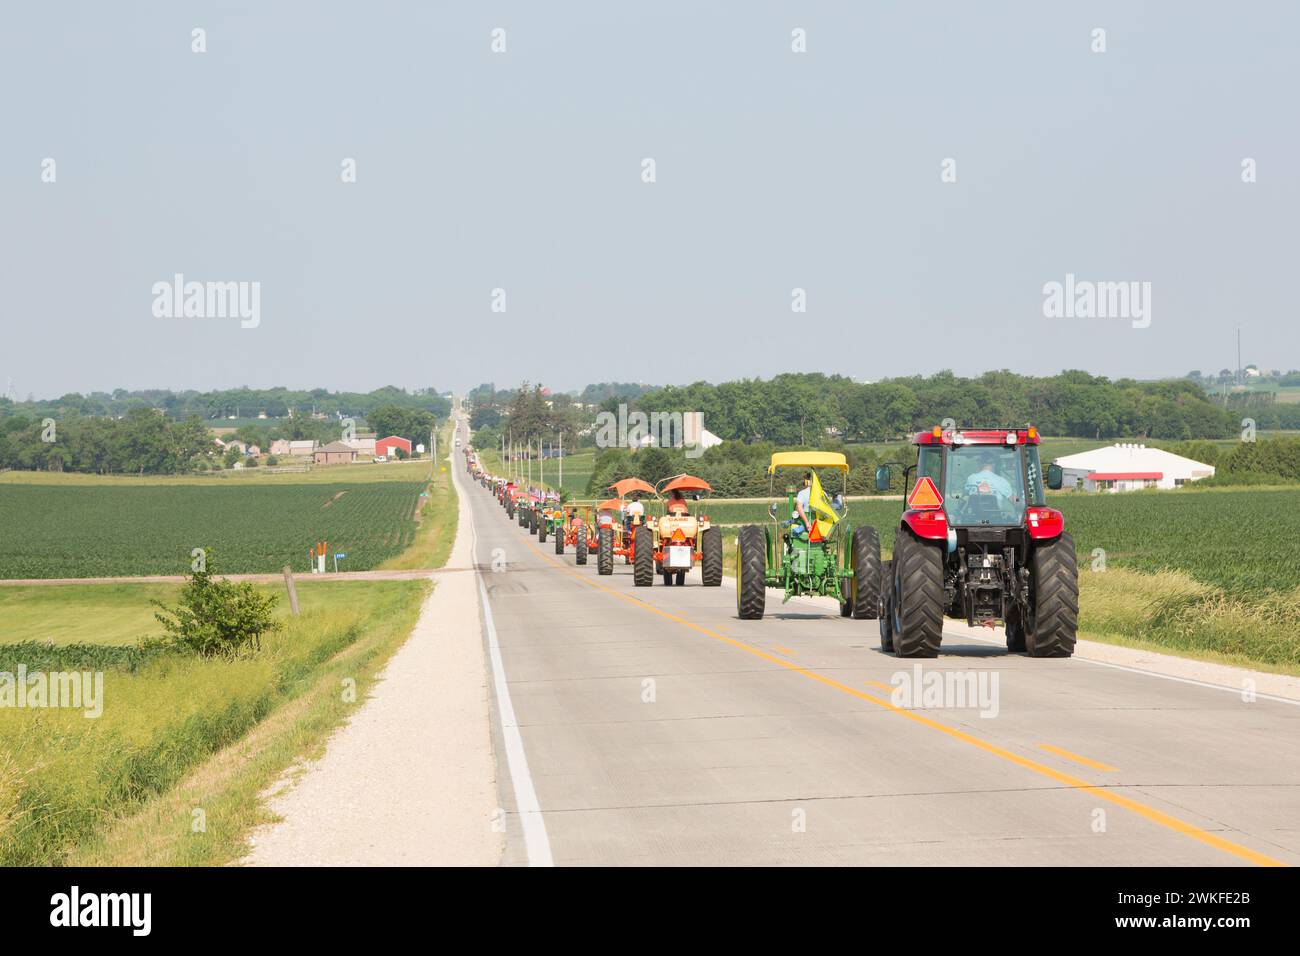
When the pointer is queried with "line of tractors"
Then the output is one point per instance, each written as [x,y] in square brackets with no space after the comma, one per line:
[975,540]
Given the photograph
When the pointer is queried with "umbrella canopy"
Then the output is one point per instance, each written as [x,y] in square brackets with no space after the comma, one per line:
[687,483]
[628,485]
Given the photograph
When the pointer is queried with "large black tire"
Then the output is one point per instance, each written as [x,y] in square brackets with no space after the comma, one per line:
[1015,632]
[559,541]
[541,529]
[1053,619]
[711,557]
[605,551]
[643,554]
[887,607]
[580,547]
[918,596]
[864,591]
[751,573]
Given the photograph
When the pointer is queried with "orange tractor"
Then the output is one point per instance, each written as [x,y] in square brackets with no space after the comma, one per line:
[573,527]
[618,522]
[674,542]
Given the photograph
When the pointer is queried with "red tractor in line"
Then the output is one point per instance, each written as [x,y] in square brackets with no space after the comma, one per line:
[977,542]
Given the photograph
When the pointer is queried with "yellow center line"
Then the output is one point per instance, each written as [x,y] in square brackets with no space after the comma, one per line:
[885,687]
[1101,793]
[784,650]
[1086,761]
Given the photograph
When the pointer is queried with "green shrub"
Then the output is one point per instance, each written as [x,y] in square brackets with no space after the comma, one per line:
[217,617]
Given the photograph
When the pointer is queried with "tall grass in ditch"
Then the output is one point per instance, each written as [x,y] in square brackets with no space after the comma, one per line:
[63,776]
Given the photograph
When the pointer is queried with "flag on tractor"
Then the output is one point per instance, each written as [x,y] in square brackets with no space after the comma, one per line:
[822,512]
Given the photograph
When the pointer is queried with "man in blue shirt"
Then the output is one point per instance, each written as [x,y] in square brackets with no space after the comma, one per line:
[986,480]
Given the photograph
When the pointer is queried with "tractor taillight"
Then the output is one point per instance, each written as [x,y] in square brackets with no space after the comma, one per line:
[678,536]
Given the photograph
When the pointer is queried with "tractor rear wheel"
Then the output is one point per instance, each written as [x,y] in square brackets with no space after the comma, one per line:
[605,551]
[643,552]
[751,573]
[918,597]
[887,607]
[1053,616]
[865,587]
[580,547]
[711,557]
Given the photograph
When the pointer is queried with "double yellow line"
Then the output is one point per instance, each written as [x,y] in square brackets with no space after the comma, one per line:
[1101,793]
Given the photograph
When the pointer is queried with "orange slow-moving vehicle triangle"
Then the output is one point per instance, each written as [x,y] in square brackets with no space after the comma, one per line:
[924,494]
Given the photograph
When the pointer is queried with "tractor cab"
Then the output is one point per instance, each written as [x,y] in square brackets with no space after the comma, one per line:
[976,536]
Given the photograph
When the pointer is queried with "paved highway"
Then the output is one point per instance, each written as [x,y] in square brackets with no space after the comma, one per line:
[652,726]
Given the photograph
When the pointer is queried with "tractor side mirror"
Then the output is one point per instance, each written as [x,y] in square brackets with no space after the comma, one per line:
[1055,476]
[882,478]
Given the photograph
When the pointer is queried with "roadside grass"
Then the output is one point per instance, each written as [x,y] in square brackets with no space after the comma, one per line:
[122,615]
[174,770]
[438,517]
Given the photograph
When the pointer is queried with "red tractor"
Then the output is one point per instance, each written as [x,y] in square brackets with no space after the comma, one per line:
[977,542]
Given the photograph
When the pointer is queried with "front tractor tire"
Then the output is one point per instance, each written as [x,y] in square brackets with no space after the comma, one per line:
[580,547]
[1052,621]
[643,557]
[751,573]
[605,551]
[559,541]
[918,596]
[711,557]
[864,589]
[541,529]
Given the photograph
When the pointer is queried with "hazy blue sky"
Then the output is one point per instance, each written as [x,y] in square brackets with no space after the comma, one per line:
[522,170]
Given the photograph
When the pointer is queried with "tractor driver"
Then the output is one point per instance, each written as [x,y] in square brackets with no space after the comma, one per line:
[633,508]
[801,505]
[986,480]
[677,504]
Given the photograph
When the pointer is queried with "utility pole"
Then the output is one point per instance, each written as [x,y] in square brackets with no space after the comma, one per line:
[541,463]
[1240,377]
[433,455]
[561,458]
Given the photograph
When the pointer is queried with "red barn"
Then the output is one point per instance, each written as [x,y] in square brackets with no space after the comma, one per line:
[388,446]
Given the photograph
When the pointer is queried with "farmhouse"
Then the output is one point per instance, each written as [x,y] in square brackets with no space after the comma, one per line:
[281,447]
[363,446]
[388,446]
[336,453]
[305,447]
[1126,467]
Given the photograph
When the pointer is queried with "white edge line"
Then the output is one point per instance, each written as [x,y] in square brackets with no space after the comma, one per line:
[536,843]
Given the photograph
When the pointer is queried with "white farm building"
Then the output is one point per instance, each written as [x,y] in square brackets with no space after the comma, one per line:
[1127,467]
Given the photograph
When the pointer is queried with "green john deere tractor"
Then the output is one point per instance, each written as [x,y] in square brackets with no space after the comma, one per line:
[829,559]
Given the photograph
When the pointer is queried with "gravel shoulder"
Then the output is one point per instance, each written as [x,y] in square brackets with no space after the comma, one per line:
[411,779]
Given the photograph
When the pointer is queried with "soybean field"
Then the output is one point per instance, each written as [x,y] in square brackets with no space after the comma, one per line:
[56,531]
